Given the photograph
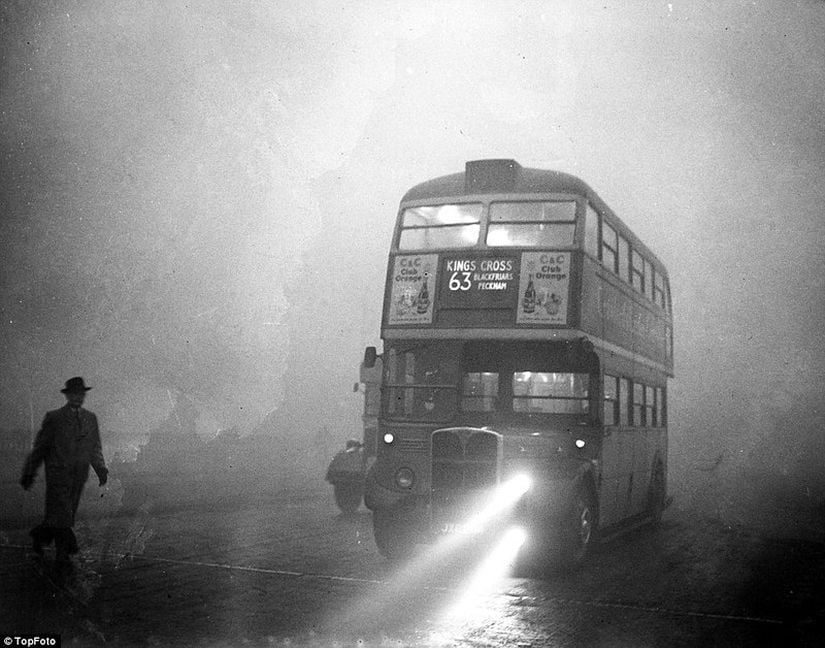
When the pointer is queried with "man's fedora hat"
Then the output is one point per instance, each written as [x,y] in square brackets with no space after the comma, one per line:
[74,386]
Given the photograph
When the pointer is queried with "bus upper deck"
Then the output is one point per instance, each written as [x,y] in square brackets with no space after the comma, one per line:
[506,252]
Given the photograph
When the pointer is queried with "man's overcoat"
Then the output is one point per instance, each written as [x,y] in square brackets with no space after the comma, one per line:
[67,443]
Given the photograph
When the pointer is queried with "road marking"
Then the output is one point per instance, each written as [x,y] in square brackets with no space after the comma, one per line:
[649,609]
[557,600]
[523,600]
[257,570]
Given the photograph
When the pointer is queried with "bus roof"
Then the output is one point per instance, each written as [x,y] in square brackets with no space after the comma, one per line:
[508,176]
[497,176]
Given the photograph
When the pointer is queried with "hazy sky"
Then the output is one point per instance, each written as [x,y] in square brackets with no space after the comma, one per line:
[170,168]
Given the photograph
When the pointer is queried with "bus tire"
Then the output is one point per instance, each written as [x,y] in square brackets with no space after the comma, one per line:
[657,494]
[348,496]
[579,528]
[392,535]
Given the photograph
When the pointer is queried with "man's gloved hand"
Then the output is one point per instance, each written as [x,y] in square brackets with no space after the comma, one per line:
[103,476]
[26,481]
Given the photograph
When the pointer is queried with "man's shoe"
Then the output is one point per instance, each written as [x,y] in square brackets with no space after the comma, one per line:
[65,569]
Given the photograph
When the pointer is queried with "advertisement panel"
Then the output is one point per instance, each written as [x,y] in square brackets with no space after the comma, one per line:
[412,286]
[544,283]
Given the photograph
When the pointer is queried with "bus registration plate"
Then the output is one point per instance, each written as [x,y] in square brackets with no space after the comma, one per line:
[459,528]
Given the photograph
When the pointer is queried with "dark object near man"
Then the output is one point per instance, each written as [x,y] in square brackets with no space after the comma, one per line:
[346,474]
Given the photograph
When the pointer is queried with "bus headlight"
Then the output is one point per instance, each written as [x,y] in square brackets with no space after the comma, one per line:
[389,437]
[404,478]
[516,486]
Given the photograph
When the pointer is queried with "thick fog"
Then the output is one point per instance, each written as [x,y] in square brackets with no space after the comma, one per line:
[197,199]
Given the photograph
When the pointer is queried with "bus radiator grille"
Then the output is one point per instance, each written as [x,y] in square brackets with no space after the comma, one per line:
[464,467]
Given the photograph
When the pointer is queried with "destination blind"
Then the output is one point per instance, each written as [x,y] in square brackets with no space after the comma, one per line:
[533,286]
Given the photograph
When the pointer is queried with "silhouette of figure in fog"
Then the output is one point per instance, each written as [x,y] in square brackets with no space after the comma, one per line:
[68,443]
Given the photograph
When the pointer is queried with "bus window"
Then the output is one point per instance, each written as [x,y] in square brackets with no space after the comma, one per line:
[661,399]
[650,407]
[608,246]
[624,259]
[437,226]
[624,401]
[659,290]
[648,280]
[611,402]
[658,419]
[638,405]
[409,379]
[420,383]
[550,393]
[591,232]
[479,391]
[392,376]
[538,224]
[637,272]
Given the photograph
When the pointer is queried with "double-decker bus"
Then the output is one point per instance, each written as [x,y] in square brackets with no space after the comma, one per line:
[527,338]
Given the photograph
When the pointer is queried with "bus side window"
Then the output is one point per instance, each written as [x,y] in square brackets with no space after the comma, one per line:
[608,246]
[650,407]
[591,232]
[611,400]
[624,401]
[648,280]
[663,406]
[624,259]
[657,408]
[638,272]
[638,405]
[659,290]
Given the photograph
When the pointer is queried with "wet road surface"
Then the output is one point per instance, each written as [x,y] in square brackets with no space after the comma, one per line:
[287,569]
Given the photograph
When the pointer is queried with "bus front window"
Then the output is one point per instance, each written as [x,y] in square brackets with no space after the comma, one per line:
[437,226]
[479,392]
[420,382]
[536,224]
[550,393]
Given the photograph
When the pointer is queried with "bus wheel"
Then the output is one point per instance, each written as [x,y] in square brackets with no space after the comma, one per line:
[392,536]
[348,496]
[579,530]
[656,494]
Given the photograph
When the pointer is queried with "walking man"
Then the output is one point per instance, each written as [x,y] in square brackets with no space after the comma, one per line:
[67,443]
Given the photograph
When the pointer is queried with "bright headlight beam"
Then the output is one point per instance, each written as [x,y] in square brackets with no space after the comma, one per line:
[490,573]
[425,565]
[504,497]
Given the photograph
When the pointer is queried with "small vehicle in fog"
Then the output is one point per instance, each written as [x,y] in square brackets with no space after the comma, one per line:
[346,474]
[527,345]
[348,468]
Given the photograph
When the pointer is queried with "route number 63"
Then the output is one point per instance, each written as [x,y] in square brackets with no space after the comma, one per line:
[460,281]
